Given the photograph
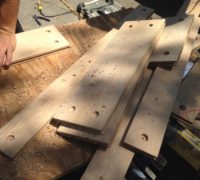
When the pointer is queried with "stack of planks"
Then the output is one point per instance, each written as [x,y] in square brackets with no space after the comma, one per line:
[110,97]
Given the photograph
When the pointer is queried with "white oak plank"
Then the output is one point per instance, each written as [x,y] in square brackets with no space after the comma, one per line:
[38,42]
[92,102]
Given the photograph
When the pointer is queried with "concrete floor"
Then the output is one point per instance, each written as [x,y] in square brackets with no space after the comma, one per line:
[52,7]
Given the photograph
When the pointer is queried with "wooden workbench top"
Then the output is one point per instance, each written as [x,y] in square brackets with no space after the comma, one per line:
[48,155]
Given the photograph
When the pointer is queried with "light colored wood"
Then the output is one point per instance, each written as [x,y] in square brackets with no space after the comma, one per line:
[172,40]
[92,102]
[106,138]
[114,161]
[110,130]
[38,42]
[23,127]
[148,127]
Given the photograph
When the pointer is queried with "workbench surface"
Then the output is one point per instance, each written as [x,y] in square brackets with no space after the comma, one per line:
[48,155]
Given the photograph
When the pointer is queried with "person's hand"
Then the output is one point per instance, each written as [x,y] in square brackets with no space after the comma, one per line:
[7,47]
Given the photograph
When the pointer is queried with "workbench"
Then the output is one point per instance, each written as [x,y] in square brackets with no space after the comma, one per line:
[48,155]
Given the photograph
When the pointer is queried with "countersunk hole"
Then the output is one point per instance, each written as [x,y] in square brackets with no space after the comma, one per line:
[96,113]
[74,75]
[130,26]
[151,25]
[73,108]
[143,9]
[166,53]
[56,41]
[182,107]
[10,138]
[48,31]
[145,137]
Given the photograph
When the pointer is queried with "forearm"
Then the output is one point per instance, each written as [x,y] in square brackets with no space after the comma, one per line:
[8,15]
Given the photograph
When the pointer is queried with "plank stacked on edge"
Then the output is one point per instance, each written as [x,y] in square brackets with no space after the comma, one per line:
[115,160]
[148,127]
[38,42]
[92,102]
[106,138]
[28,122]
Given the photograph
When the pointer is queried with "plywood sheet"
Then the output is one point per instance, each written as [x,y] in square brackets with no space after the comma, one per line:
[93,100]
[38,42]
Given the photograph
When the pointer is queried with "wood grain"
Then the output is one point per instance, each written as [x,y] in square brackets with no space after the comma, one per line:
[106,138]
[148,127]
[93,100]
[38,42]
[114,161]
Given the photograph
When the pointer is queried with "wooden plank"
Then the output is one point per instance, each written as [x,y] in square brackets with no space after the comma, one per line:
[188,100]
[148,127]
[92,102]
[38,42]
[172,40]
[114,161]
[106,138]
[22,129]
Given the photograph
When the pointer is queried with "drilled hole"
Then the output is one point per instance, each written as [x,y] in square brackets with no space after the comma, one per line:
[96,113]
[92,84]
[143,9]
[103,106]
[166,53]
[151,25]
[73,108]
[182,107]
[48,31]
[56,41]
[10,138]
[199,15]
[74,75]
[144,137]
[130,26]
[181,19]
[89,61]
